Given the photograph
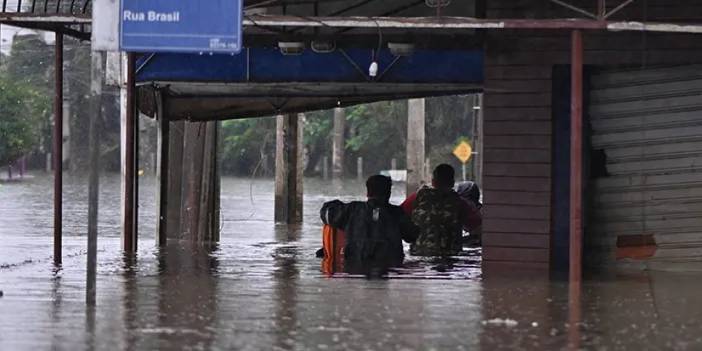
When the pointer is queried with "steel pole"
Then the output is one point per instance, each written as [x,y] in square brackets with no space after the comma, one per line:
[96,75]
[576,158]
[58,147]
[128,242]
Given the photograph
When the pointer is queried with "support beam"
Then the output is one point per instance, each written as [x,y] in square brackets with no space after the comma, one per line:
[338,143]
[288,169]
[58,149]
[576,158]
[208,229]
[97,74]
[455,23]
[175,179]
[193,147]
[199,215]
[415,143]
[129,233]
[162,168]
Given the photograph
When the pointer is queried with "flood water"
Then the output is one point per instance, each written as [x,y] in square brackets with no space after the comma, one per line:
[261,288]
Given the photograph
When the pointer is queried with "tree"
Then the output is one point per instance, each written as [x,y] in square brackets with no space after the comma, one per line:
[246,146]
[21,110]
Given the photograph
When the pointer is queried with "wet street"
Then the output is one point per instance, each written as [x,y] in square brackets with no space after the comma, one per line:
[261,288]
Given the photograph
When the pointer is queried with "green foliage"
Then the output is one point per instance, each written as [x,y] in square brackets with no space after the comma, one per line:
[21,110]
[246,144]
[31,62]
[377,132]
[25,101]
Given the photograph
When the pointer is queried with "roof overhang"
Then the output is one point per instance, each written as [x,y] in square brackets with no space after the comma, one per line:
[263,81]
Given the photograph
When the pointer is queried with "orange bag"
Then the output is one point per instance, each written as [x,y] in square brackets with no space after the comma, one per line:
[334,241]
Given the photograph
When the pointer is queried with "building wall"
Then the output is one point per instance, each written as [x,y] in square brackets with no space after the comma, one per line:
[518,113]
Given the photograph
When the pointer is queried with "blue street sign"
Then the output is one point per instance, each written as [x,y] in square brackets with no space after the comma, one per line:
[181,26]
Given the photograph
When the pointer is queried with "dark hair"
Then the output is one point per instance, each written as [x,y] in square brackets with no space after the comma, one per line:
[443,176]
[378,186]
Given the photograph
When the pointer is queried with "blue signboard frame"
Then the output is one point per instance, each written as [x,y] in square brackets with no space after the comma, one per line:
[181,26]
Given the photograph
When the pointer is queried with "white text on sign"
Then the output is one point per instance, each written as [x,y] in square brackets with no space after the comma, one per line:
[151,16]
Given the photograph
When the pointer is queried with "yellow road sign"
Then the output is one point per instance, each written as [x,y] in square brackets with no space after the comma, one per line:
[463,151]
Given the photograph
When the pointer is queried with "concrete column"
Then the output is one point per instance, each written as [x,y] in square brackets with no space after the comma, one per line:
[288,169]
[338,143]
[415,143]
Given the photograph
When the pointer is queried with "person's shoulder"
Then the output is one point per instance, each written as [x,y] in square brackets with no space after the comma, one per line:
[424,191]
[395,210]
[334,202]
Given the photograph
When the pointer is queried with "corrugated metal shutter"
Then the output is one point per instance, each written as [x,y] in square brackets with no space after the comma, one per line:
[649,124]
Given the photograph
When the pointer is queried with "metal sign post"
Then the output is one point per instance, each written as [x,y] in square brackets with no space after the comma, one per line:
[463,152]
[181,26]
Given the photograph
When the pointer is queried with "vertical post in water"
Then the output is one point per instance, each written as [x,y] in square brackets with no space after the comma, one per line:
[162,170]
[338,143]
[415,143]
[427,170]
[288,169]
[58,147]
[128,231]
[96,76]
[478,138]
[176,137]
[576,158]
[325,168]
[359,168]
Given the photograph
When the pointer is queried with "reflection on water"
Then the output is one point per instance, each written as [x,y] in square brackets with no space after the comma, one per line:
[261,288]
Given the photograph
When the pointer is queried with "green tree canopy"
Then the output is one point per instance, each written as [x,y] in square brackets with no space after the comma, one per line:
[21,111]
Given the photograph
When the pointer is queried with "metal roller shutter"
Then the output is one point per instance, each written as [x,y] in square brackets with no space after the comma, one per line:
[648,122]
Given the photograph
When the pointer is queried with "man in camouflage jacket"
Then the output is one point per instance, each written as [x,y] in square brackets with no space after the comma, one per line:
[440,214]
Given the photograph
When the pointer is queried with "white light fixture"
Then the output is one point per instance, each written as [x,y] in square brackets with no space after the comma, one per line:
[323,46]
[373,69]
[401,49]
[291,47]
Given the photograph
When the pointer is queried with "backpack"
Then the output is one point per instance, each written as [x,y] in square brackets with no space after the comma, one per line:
[437,214]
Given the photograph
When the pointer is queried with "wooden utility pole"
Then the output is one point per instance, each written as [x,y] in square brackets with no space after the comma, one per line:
[288,168]
[576,158]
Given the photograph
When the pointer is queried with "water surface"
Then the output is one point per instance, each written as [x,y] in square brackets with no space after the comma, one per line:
[261,288]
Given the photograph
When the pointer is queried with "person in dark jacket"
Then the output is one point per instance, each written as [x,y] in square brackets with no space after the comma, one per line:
[470,193]
[374,229]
